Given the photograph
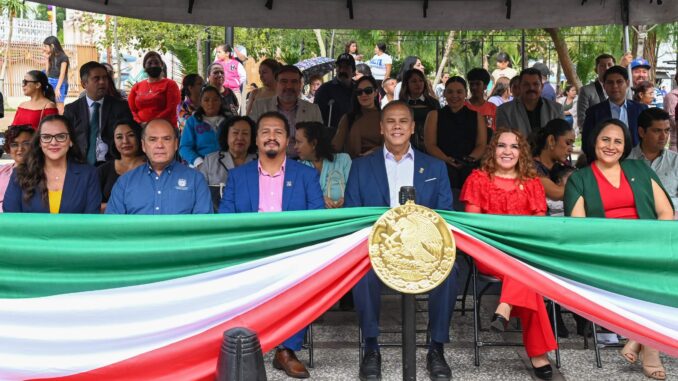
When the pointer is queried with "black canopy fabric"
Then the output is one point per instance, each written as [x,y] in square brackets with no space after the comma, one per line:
[388,14]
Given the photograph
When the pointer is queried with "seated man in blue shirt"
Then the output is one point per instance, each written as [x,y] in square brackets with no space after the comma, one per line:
[163,185]
[274,184]
[375,180]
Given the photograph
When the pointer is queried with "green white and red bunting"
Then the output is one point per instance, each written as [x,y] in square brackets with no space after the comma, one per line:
[148,298]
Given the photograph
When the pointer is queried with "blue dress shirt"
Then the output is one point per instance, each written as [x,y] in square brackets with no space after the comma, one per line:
[177,190]
[620,112]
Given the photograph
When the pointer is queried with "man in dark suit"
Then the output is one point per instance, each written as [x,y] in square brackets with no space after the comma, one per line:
[615,83]
[593,93]
[274,184]
[375,180]
[94,115]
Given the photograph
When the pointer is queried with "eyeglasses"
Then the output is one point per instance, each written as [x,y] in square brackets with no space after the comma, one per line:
[60,138]
[25,82]
[366,91]
[24,145]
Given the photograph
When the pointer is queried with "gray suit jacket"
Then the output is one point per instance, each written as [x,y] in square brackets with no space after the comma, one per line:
[513,115]
[306,111]
[588,96]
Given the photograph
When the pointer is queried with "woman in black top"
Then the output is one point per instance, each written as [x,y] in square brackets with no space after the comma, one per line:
[127,153]
[416,91]
[455,134]
[57,69]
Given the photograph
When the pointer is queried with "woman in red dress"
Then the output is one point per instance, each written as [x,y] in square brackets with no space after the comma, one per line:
[507,183]
[156,97]
[36,86]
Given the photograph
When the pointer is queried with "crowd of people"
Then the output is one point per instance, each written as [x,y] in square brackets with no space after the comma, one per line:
[355,141]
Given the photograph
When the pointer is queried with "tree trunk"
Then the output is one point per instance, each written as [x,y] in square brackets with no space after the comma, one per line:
[201,59]
[109,51]
[321,42]
[650,53]
[641,37]
[443,61]
[564,57]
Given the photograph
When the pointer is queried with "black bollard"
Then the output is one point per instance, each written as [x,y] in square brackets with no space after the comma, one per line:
[240,358]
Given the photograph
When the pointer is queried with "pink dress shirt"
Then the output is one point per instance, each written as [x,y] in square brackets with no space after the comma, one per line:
[5,173]
[271,189]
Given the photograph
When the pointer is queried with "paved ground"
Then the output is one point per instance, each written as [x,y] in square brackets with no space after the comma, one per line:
[336,353]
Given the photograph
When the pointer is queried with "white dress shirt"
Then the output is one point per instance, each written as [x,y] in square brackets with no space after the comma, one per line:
[399,173]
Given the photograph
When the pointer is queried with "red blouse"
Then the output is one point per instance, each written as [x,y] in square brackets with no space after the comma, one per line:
[499,195]
[32,117]
[617,202]
[149,101]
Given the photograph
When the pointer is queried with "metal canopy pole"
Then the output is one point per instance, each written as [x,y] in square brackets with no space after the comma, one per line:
[228,38]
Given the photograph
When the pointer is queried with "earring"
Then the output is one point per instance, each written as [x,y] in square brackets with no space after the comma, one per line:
[70,145]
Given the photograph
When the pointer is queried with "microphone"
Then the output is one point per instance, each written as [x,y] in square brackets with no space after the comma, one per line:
[406,193]
[329,117]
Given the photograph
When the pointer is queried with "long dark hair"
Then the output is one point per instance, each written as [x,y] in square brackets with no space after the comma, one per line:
[428,94]
[347,48]
[200,112]
[593,136]
[188,81]
[223,134]
[556,128]
[47,89]
[137,135]
[408,64]
[31,173]
[316,132]
[356,110]
[500,87]
[56,50]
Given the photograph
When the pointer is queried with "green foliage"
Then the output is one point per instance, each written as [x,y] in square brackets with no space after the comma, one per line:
[41,14]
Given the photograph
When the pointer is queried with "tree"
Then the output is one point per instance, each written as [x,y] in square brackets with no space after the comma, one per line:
[564,57]
[12,8]
[443,61]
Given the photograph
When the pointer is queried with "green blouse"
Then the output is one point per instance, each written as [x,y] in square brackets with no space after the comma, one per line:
[583,183]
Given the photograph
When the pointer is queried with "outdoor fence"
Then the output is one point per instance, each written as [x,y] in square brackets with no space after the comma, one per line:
[24,57]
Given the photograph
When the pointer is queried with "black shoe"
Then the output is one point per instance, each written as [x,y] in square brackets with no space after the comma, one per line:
[543,372]
[370,367]
[437,367]
[346,302]
[499,323]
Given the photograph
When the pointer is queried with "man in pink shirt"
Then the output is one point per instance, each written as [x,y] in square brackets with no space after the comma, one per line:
[274,184]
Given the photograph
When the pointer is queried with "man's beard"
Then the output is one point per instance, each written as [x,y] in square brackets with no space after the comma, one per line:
[271,153]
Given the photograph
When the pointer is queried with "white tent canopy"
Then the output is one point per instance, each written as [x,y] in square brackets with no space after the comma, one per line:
[387,14]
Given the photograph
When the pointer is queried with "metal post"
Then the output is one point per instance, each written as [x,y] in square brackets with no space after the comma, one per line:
[208,51]
[523,53]
[228,38]
[409,305]
[118,56]
[409,338]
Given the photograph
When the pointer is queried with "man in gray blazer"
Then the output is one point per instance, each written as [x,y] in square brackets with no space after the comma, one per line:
[530,112]
[288,103]
[593,93]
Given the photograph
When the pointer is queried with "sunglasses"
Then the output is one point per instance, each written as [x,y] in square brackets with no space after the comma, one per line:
[366,91]
[60,138]
[25,82]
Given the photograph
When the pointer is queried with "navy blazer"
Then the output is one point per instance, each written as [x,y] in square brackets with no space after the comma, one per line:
[601,112]
[301,189]
[81,193]
[368,183]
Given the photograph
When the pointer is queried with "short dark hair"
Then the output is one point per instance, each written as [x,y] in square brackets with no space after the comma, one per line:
[87,68]
[136,128]
[289,69]
[650,115]
[605,56]
[381,46]
[271,64]
[316,131]
[223,134]
[396,103]
[13,132]
[274,115]
[616,70]
[593,136]
[478,74]
[457,79]
[530,71]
